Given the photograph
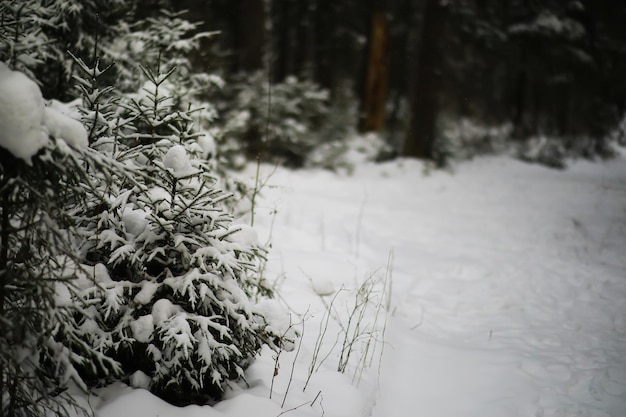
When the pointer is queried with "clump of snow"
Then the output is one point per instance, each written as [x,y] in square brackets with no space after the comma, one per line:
[62,294]
[21,114]
[26,122]
[69,109]
[280,320]
[139,380]
[135,220]
[207,143]
[90,326]
[177,161]
[163,310]
[101,273]
[158,197]
[61,126]
[142,328]
[145,295]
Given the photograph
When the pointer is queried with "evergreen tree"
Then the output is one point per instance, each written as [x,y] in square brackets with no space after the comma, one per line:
[176,306]
[143,270]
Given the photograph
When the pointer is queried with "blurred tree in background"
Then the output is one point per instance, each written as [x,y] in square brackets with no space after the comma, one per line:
[549,68]
[405,69]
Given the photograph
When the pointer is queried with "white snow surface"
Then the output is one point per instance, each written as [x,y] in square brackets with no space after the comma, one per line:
[508,294]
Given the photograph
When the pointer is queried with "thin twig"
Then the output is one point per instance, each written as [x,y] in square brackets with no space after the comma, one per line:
[277,358]
[256,188]
[294,408]
[293,365]
[316,397]
[320,338]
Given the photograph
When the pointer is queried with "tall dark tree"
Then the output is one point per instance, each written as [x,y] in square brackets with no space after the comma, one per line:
[374,114]
[252,35]
[424,101]
[405,27]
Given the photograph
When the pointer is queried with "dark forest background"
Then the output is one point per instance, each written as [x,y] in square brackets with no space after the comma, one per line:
[549,67]
[519,71]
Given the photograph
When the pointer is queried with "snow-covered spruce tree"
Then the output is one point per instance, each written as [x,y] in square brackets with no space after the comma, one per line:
[40,178]
[192,258]
[176,309]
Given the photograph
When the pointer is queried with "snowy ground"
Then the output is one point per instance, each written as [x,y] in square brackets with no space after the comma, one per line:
[505,284]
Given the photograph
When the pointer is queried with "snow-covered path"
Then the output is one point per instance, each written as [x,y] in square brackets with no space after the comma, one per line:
[509,280]
[508,294]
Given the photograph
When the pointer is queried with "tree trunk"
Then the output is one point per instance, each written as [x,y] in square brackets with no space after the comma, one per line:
[326,57]
[519,108]
[285,28]
[373,115]
[252,35]
[421,131]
